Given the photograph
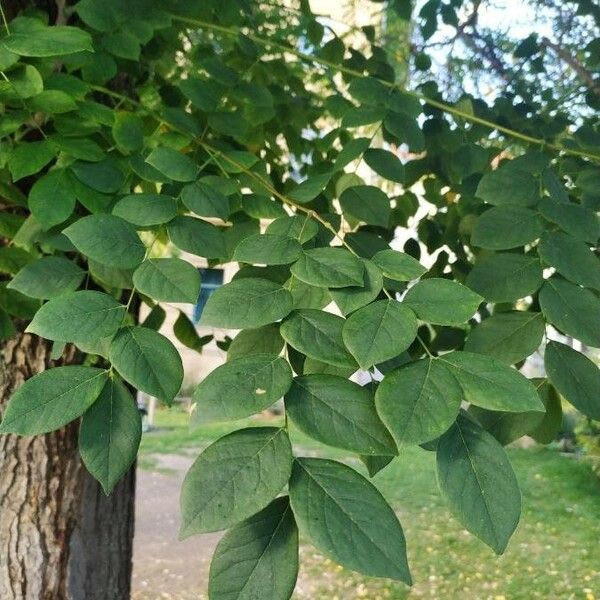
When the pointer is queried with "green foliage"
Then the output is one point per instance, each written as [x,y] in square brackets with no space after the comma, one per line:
[338,412]
[575,376]
[78,317]
[238,475]
[147,360]
[110,434]
[329,267]
[168,279]
[137,133]
[442,302]
[52,399]
[334,504]
[418,402]
[378,332]
[266,548]
[509,337]
[242,387]
[247,302]
[478,483]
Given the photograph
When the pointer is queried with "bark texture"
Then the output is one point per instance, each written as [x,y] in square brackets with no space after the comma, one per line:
[60,537]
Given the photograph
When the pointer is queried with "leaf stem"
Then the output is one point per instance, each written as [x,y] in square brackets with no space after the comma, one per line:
[4,19]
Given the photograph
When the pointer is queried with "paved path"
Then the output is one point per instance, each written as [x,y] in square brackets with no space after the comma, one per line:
[164,567]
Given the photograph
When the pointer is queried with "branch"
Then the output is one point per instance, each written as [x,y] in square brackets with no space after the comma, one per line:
[581,71]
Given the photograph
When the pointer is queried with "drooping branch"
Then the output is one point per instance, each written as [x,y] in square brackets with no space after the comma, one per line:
[584,75]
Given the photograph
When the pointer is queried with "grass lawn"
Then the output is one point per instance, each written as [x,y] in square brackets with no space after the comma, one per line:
[555,553]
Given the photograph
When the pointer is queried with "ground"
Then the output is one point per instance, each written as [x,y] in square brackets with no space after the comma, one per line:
[554,554]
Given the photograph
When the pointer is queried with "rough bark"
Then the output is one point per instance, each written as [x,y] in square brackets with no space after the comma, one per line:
[60,537]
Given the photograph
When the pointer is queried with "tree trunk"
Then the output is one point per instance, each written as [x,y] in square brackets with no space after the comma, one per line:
[60,537]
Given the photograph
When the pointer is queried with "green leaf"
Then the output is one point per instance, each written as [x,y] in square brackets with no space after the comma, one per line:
[156,317]
[146,209]
[10,224]
[173,164]
[262,207]
[197,237]
[240,229]
[506,427]
[478,483]
[308,296]
[110,276]
[571,258]
[52,102]
[147,360]
[58,40]
[572,310]
[317,334]
[52,198]
[257,558]
[551,424]
[25,81]
[78,148]
[398,265]
[52,399]
[375,464]
[186,333]
[358,116]
[242,387]
[504,227]
[366,203]
[110,434]
[168,280]
[47,277]
[339,413]
[575,376]
[351,151]
[206,200]
[29,158]
[379,331]
[202,93]
[13,259]
[299,227]
[329,267]
[509,185]
[347,518]
[247,302]
[406,130]
[103,176]
[236,476]
[349,299]
[510,337]
[78,317]
[107,239]
[506,277]
[308,190]
[418,401]
[489,383]
[267,249]
[122,44]
[442,301]
[7,327]
[385,163]
[262,340]
[579,221]
[128,132]
[16,304]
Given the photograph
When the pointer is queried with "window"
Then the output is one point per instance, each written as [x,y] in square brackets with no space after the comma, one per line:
[211,280]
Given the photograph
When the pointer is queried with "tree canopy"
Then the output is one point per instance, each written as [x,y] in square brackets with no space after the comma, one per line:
[251,132]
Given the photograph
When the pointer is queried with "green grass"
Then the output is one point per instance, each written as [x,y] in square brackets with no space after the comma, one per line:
[554,554]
